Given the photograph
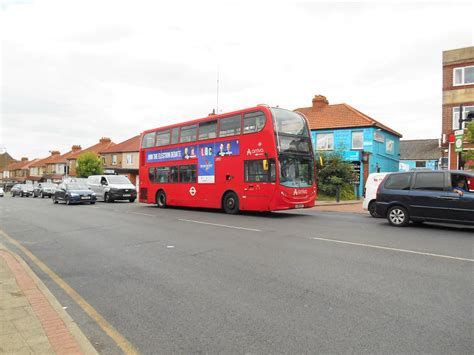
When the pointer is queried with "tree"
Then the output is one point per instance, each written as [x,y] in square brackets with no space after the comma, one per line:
[469,155]
[332,171]
[88,164]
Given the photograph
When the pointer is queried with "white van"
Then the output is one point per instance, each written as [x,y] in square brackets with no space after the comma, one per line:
[110,188]
[371,186]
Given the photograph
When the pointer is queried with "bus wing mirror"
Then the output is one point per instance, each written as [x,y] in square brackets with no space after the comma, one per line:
[265,165]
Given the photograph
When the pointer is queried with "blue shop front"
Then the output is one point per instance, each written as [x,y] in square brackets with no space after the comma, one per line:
[369,149]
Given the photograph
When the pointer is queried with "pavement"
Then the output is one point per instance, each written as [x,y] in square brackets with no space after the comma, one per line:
[180,280]
[351,206]
[31,319]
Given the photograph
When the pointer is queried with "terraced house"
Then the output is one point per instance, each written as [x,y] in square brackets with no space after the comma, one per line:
[122,158]
[104,143]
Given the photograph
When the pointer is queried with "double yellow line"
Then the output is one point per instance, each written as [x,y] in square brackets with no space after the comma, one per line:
[118,338]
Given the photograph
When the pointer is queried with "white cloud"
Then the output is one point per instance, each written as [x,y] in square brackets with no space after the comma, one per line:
[73,71]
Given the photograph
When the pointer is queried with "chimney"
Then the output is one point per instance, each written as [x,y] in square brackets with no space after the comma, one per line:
[55,152]
[105,140]
[76,148]
[320,101]
[24,159]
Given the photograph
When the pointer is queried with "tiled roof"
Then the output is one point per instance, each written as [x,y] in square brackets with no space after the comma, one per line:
[17,165]
[42,162]
[324,116]
[130,145]
[103,144]
[420,149]
[63,158]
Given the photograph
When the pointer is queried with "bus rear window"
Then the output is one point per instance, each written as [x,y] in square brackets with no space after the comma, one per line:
[188,133]
[148,140]
[254,122]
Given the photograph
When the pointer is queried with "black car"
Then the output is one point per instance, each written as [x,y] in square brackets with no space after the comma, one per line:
[74,192]
[418,196]
[15,190]
[44,189]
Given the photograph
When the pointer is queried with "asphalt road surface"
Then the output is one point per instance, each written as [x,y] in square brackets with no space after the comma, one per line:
[199,281]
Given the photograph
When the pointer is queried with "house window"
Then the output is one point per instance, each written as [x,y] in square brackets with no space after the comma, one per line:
[129,159]
[325,141]
[114,159]
[103,160]
[463,76]
[389,146]
[420,164]
[465,111]
[357,140]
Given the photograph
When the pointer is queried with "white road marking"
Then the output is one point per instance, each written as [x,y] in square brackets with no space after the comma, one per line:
[220,225]
[393,249]
[138,213]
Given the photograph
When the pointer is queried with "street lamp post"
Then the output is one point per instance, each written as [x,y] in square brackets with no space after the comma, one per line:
[469,118]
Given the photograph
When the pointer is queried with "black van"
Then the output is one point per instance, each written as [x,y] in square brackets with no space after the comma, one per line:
[418,196]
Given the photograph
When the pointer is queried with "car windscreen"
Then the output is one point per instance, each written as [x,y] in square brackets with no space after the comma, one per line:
[118,179]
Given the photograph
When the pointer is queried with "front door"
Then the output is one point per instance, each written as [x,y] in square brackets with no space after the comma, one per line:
[259,183]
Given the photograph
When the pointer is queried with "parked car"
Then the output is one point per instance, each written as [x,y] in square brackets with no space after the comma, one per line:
[44,189]
[370,192]
[22,190]
[112,187]
[74,192]
[2,193]
[420,196]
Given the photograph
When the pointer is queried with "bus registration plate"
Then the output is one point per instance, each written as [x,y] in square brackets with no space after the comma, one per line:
[299,205]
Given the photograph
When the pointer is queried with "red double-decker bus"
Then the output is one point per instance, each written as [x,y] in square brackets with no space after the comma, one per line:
[256,159]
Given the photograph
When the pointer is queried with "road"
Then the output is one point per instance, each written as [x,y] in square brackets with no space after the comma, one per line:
[200,281]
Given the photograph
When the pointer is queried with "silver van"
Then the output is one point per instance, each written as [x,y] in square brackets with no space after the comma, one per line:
[110,188]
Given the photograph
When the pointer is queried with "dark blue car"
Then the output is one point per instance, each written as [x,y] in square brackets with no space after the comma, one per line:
[74,192]
[434,196]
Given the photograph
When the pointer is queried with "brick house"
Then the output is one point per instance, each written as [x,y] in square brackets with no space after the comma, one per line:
[38,169]
[104,143]
[122,158]
[458,89]
[56,165]
[19,172]
[368,144]
[5,161]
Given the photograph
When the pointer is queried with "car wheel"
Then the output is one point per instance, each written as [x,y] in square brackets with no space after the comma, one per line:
[92,203]
[132,200]
[161,199]
[372,209]
[67,201]
[55,201]
[398,216]
[41,194]
[231,203]
[107,198]
[21,194]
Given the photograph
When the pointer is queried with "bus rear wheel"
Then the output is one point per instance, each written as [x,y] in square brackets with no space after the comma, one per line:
[161,199]
[230,203]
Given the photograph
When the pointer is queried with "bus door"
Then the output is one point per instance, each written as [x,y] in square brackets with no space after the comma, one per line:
[259,183]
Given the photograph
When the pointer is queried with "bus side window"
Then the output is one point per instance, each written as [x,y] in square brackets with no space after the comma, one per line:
[148,140]
[162,174]
[254,122]
[175,135]
[188,133]
[151,174]
[173,174]
[230,126]
[187,173]
[163,137]
[207,130]
[255,172]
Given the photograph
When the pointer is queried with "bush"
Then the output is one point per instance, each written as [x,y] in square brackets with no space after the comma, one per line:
[88,164]
[333,172]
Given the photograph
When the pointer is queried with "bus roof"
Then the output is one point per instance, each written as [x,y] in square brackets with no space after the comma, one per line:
[262,107]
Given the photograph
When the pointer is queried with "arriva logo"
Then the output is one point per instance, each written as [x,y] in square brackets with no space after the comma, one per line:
[255,151]
[300,192]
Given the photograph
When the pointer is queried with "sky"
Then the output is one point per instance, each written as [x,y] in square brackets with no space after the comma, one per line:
[75,71]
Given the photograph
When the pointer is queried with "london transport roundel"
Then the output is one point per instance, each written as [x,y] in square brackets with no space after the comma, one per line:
[458,143]
[192,191]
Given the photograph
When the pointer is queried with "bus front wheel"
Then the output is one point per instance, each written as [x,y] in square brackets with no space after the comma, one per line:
[231,203]
[161,199]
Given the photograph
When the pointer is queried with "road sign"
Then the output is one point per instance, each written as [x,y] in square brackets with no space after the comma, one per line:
[458,143]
